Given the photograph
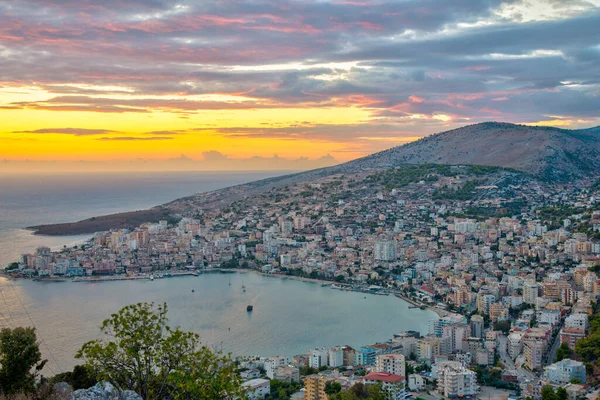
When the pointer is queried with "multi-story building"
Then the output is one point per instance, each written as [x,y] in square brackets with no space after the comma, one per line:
[392,363]
[579,321]
[287,373]
[392,384]
[317,358]
[455,381]
[530,291]
[273,362]
[257,388]
[314,387]
[562,372]
[335,357]
[477,324]
[386,250]
[365,356]
[515,344]
[534,350]
[570,336]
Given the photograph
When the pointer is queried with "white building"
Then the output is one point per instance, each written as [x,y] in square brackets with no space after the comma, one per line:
[530,291]
[272,363]
[416,383]
[317,358]
[392,363]
[577,321]
[257,388]
[335,357]
[386,250]
[454,381]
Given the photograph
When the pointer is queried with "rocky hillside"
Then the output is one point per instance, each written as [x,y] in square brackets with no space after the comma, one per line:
[549,153]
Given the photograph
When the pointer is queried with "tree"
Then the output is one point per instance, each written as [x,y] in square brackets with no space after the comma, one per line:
[503,326]
[333,387]
[361,391]
[19,355]
[548,393]
[81,377]
[149,357]
[563,352]
[561,393]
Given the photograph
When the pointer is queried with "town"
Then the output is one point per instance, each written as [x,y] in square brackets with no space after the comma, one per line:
[508,262]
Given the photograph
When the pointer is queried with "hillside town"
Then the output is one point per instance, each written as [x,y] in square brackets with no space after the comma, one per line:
[508,262]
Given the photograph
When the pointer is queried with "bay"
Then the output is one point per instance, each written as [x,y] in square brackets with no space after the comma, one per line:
[289,317]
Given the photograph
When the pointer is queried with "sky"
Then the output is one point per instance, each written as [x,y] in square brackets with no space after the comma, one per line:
[166,84]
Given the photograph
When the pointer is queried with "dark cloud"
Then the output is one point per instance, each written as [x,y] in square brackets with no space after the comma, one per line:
[465,60]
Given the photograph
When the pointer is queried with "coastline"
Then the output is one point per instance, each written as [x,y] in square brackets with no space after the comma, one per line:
[114,278]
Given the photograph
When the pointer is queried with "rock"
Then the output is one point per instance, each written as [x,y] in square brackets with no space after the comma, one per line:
[104,391]
[63,390]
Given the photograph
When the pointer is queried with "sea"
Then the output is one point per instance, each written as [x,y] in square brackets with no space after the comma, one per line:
[289,317]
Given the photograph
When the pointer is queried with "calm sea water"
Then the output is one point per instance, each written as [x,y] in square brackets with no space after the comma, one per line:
[289,317]
[27,200]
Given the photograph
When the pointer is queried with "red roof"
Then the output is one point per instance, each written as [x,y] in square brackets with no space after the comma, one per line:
[383,377]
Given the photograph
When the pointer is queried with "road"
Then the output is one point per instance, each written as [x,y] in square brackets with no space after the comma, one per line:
[522,373]
[552,354]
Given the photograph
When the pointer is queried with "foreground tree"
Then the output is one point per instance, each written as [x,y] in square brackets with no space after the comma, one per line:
[149,357]
[19,356]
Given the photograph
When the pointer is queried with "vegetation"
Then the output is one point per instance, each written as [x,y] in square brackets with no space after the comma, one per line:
[360,391]
[563,352]
[19,356]
[81,377]
[548,393]
[146,355]
[281,390]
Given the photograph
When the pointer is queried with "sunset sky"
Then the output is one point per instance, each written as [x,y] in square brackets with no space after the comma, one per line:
[159,82]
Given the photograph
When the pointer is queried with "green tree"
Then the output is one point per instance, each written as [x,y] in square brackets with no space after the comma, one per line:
[361,391]
[503,326]
[144,354]
[82,377]
[19,355]
[333,388]
[561,393]
[548,393]
[563,352]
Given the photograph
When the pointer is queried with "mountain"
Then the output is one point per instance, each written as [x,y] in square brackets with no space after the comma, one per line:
[549,153]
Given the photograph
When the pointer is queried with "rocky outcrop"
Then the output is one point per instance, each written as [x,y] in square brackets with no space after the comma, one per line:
[100,391]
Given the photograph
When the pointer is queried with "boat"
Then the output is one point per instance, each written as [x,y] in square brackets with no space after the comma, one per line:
[249,308]
[151,277]
[193,290]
